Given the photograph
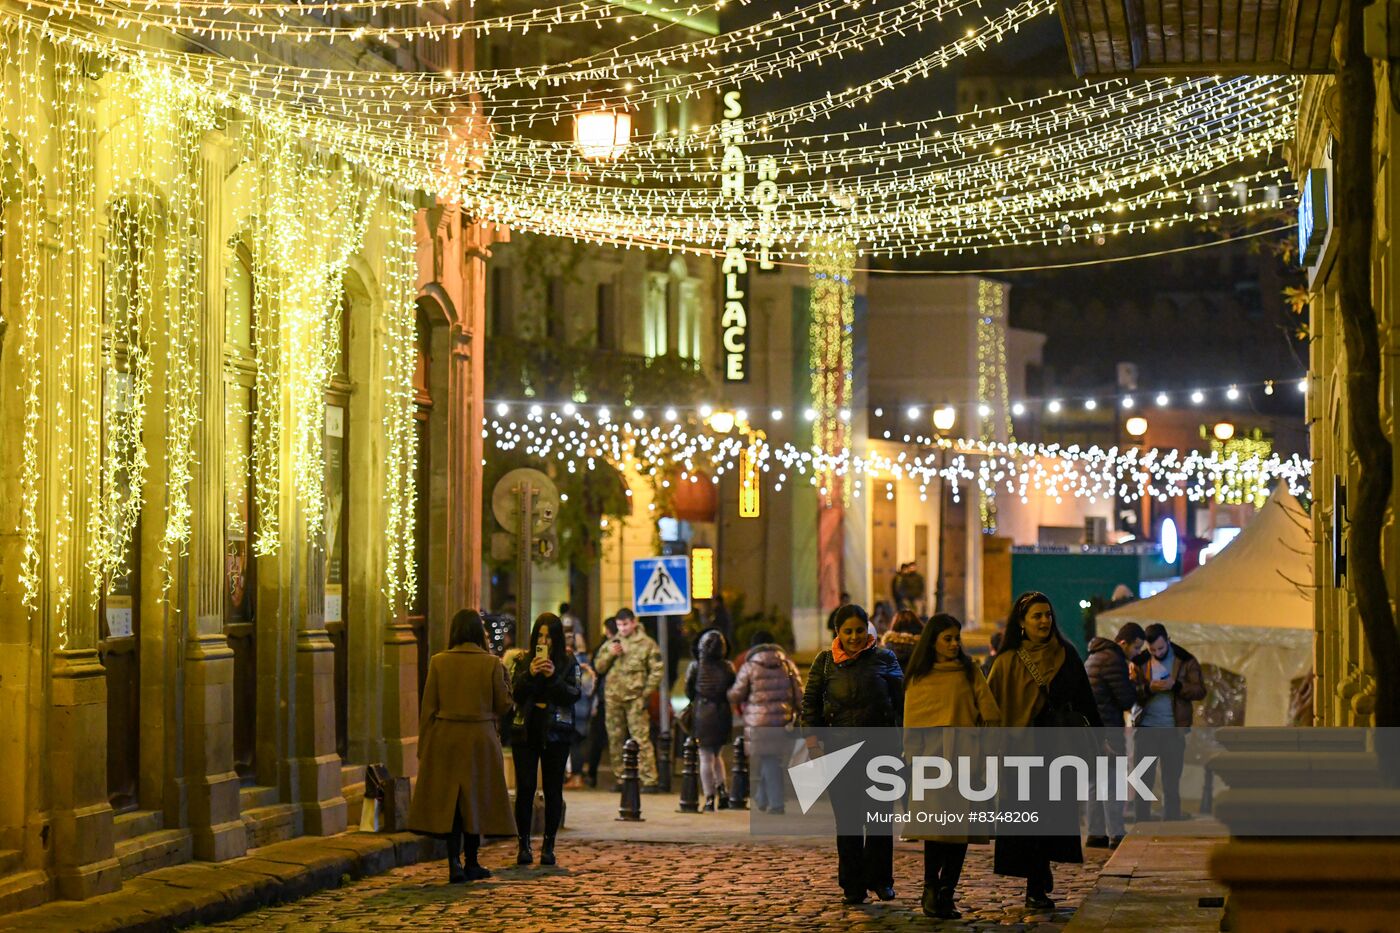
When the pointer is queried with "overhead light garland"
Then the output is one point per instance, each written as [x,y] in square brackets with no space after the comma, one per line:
[578,442]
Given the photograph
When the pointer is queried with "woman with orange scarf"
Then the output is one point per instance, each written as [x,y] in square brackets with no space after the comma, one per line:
[856,684]
[1033,652]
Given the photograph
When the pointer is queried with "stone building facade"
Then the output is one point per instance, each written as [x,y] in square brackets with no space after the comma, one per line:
[1345,686]
[225,686]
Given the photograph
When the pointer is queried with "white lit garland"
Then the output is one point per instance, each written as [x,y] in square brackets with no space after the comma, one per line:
[578,442]
[401,449]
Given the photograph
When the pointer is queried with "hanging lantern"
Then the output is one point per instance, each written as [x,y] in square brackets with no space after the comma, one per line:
[602,134]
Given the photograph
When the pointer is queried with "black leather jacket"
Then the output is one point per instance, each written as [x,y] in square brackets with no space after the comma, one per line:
[867,690]
[554,722]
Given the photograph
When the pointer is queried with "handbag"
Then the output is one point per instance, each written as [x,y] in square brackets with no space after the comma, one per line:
[1062,716]
[686,720]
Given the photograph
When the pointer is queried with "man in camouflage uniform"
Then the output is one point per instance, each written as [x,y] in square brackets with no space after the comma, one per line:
[632,662]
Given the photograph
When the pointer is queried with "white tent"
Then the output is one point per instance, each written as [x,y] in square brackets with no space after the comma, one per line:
[1249,609]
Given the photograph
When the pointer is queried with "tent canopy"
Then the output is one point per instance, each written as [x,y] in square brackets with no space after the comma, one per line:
[1248,610]
[1262,579]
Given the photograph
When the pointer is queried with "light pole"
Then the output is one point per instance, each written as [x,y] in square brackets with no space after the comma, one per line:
[943,420]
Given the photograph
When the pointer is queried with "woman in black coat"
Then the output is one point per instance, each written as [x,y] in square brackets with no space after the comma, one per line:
[1033,650]
[855,685]
[707,684]
[545,687]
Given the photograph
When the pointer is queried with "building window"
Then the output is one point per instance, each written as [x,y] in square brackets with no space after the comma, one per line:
[605,326]
[497,321]
[554,312]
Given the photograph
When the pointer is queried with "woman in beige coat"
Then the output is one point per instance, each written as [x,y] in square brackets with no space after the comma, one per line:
[944,688]
[461,793]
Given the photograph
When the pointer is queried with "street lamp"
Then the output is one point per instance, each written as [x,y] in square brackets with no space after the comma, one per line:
[944,418]
[1224,431]
[602,134]
[1137,426]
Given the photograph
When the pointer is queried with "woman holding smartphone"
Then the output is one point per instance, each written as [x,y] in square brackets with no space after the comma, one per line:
[545,687]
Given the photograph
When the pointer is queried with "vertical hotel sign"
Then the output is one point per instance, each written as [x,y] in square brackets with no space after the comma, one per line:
[734,321]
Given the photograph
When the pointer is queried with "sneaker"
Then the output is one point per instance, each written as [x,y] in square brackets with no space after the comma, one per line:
[886,893]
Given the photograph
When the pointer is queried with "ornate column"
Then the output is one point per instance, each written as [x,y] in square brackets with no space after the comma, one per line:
[211,783]
[316,786]
[468,391]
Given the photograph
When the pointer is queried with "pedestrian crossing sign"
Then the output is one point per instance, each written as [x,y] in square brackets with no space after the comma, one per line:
[661,586]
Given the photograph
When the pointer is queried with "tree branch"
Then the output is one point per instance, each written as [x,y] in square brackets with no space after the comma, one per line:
[1355,226]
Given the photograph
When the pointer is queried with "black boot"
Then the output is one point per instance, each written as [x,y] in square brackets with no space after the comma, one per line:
[709,804]
[455,872]
[945,908]
[723,797]
[547,851]
[931,901]
[524,856]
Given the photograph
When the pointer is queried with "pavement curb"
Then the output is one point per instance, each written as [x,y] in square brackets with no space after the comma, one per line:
[210,892]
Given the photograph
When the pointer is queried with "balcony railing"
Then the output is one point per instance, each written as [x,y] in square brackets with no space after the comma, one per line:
[548,371]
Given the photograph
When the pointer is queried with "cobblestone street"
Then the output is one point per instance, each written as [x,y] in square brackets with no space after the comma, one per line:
[614,885]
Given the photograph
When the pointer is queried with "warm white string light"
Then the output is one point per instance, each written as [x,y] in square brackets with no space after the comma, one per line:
[995,468]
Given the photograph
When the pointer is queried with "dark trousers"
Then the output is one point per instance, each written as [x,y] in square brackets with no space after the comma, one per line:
[551,760]
[865,855]
[460,843]
[1169,748]
[598,741]
[943,863]
[1040,881]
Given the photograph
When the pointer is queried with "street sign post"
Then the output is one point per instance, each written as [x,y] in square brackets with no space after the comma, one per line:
[525,502]
[661,587]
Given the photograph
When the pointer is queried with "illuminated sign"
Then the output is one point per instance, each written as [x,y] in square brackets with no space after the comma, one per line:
[749,486]
[734,319]
[1313,221]
[702,573]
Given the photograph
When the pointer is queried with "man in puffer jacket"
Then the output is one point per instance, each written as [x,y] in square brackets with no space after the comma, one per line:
[1114,692]
[769,692]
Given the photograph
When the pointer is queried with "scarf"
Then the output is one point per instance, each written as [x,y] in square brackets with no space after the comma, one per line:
[945,697]
[1017,694]
[839,655]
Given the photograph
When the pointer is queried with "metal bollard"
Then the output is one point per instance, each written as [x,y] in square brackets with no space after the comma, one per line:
[630,806]
[739,789]
[690,777]
[663,761]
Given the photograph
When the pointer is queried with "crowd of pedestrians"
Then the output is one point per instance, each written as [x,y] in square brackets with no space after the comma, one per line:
[558,707]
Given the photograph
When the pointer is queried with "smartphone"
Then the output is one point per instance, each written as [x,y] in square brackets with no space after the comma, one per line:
[542,651]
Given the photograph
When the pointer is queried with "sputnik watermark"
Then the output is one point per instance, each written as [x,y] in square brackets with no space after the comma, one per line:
[1112,775]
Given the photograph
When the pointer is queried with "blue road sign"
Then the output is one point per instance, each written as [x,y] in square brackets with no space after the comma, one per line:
[661,586]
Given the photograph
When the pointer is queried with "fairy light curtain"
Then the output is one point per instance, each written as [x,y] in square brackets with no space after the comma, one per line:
[107,316]
[832,328]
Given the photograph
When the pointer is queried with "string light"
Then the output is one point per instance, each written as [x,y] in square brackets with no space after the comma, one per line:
[996,469]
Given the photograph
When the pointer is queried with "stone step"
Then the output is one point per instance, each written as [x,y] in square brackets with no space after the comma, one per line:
[250,798]
[25,889]
[136,823]
[9,861]
[159,849]
[275,823]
